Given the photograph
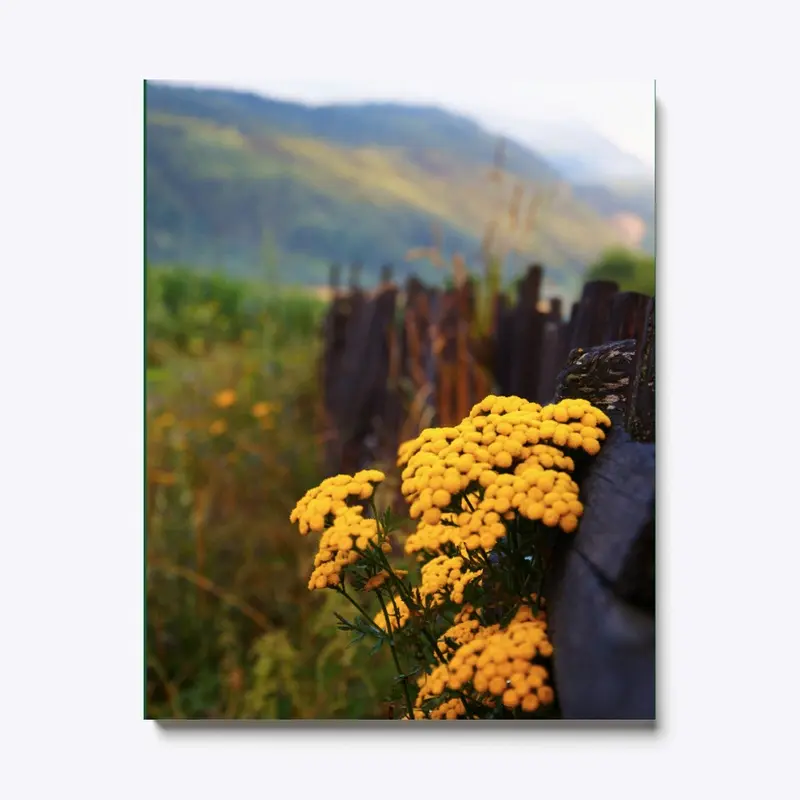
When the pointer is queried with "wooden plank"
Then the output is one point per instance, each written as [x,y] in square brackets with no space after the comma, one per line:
[552,358]
[464,366]
[628,312]
[593,314]
[527,342]
[364,375]
[335,278]
[503,336]
[641,422]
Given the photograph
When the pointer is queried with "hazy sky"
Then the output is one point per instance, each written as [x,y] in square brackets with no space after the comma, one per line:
[623,111]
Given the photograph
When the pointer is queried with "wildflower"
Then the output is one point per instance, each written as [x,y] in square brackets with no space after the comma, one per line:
[510,698]
[530,702]
[545,694]
[460,633]
[493,664]
[330,496]
[163,478]
[218,427]
[591,446]
[442,579]
[376,581]
[398,613]
[262,409]
[337,545]
[225,399]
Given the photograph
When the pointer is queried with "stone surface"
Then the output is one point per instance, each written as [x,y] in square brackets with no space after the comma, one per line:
[601,590]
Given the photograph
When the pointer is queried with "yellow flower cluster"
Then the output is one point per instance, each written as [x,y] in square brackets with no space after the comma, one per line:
[225,399]
[336,548]
[450,709]
[330,497]
[497,665]
[443,576]
[398,613]
[324,509]
[537,494]
[461,632]
[472,529]
[512,449]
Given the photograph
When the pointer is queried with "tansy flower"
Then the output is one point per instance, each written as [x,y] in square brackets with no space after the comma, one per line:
[225,399]
[340,544]
[398,613]
[331,495]
[261,409]
[163,478]
[218,427]
[376,580]
[494,665]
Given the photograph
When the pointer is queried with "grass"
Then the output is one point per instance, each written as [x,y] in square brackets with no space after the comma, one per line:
[232,630]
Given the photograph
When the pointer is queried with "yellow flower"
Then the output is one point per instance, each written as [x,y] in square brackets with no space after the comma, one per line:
[218,427]
[376,580]
[431,516]
[591,446]
[546,694]
[530,703]
[261,409]
[441,498]
[397,612]
[163,478]
[225,399]
[510,698]
[569,522]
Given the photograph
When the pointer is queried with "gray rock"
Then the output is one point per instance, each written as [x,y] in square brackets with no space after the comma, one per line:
[601,590]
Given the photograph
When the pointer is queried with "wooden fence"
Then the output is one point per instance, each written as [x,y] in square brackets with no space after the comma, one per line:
[397,361]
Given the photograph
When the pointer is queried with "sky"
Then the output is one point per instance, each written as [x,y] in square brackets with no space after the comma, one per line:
[622,111]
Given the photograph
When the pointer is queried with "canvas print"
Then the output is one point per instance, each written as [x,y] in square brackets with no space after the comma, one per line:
[400,402]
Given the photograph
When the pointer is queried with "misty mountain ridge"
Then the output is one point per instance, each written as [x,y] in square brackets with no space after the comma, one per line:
[232,175]
[582,154]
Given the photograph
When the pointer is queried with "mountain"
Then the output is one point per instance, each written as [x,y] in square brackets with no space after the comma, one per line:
[630,205]
[615,184]
[232,179]
[582,154]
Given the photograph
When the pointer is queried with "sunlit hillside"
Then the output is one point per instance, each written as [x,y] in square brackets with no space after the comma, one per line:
[238,180]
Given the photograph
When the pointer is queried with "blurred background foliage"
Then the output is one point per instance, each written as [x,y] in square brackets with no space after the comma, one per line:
[633,271]
[232,630]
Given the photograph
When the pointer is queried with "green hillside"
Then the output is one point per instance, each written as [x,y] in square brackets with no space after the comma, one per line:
[237,180]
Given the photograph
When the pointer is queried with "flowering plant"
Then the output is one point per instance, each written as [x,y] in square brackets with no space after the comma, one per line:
[488,497]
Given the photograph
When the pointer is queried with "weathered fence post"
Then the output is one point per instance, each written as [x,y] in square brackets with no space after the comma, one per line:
[335,278]
[552,358]
[502,340]
[527,336]
[355,276]
[434,355]
[628,310]
[642,396]
[593,314]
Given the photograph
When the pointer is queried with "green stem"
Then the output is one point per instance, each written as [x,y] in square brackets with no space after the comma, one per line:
[363,613]
[435,645]
[409,706]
